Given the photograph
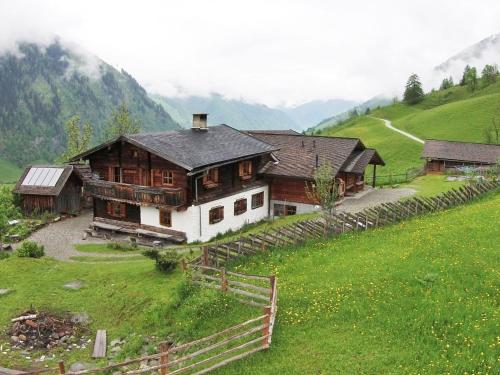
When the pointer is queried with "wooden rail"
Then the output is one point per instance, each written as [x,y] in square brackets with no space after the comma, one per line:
[211,352]
[135,194]
[220,254]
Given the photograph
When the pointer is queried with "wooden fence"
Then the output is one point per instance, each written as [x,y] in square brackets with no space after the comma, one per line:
[220,254]
[395,178]
[208,353]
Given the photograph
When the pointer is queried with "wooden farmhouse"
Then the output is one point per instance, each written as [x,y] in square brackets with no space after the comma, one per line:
[442,155]
[192,184]
[56,189]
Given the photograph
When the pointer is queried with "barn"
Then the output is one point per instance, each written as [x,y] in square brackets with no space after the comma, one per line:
[448,155]
[55,189]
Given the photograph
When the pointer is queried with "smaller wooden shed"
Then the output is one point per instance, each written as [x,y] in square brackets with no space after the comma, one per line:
[442,155]
[56,189]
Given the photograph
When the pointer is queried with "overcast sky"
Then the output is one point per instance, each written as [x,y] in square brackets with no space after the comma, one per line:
[272,52]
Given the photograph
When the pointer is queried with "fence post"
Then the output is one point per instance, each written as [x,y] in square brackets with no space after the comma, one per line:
[272,282]
[267,328]
[223,280]
[62,370]
[205,256]
[184,265]
[164,348]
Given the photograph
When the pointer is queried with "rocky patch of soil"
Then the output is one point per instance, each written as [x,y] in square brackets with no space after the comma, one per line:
[41,330]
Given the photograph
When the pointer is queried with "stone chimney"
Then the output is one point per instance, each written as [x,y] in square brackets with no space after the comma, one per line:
[200,121]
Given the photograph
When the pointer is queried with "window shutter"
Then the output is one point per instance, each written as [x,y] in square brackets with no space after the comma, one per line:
[241,169]
[250,167]
[205,179]
[122,210]
[216,175]
[109,208]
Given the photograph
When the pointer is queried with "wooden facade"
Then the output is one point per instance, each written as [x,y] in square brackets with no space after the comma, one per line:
[64,196]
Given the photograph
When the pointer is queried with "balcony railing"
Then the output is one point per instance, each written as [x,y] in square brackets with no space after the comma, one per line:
[136,194]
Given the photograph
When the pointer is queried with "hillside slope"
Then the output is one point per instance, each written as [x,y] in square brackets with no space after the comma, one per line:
[452,114]
[396,300]
[236,113]
[44,86]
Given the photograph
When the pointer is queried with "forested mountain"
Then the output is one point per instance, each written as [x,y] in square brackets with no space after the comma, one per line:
[236,113]
[41,87]
[310,113]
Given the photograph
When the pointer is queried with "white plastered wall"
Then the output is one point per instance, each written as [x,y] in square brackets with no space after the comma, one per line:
[189,222]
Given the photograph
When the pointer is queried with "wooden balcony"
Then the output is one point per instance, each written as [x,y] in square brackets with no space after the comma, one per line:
[135,194]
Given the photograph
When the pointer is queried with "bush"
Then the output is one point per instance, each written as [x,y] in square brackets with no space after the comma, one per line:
[4,255]
[30,249]
[121,246]
[166,261]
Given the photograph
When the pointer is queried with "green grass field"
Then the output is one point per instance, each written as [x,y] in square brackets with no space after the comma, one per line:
[457,121]
[418,297]
[9,172]
[453,114]
[430,185]
[398,152]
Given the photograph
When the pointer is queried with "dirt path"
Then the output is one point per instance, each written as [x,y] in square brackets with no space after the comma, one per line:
[388,125]
[59,238]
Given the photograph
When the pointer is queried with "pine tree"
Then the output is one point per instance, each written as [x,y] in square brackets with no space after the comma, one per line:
[463,81]
[489,75]
[413,92]
[121,122]
[471,79]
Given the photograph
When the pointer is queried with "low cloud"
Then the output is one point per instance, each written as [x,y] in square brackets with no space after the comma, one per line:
[272,52]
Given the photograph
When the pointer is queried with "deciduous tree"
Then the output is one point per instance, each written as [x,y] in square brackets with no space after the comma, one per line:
[78,138]
[121,122]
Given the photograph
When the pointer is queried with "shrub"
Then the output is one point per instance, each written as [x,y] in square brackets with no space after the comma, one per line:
[4,255]
[30,249]
[121,246]
[166,261]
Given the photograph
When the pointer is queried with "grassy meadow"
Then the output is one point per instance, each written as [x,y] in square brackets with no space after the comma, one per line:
[9,172]
[399,153]
[419,297]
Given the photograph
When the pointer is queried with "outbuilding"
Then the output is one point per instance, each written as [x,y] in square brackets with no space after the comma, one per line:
[442,155]
[55,189]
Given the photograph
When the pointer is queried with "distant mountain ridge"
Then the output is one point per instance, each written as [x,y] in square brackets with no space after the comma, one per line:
[309,114]
[376,101]
[41,87]
[236,113]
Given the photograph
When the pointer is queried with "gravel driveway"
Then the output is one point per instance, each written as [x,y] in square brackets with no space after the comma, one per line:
[374,197]
[59,238]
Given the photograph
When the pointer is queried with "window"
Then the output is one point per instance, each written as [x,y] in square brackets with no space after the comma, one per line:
[211,179]
[216,215]
[116,174]
[245,169]
[116,209]
[284,209]
[168,177]
[240,206]
[165,217]
[257,200]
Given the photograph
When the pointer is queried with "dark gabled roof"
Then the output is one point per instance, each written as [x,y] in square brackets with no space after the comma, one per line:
[461,151]
[297,154]
[193,148]
[279,132]
[43,179]
[359,160]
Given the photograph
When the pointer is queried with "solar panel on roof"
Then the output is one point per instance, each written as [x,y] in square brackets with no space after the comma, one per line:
[42,177]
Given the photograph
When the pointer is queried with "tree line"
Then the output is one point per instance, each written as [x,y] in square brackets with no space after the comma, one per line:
[414,93]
